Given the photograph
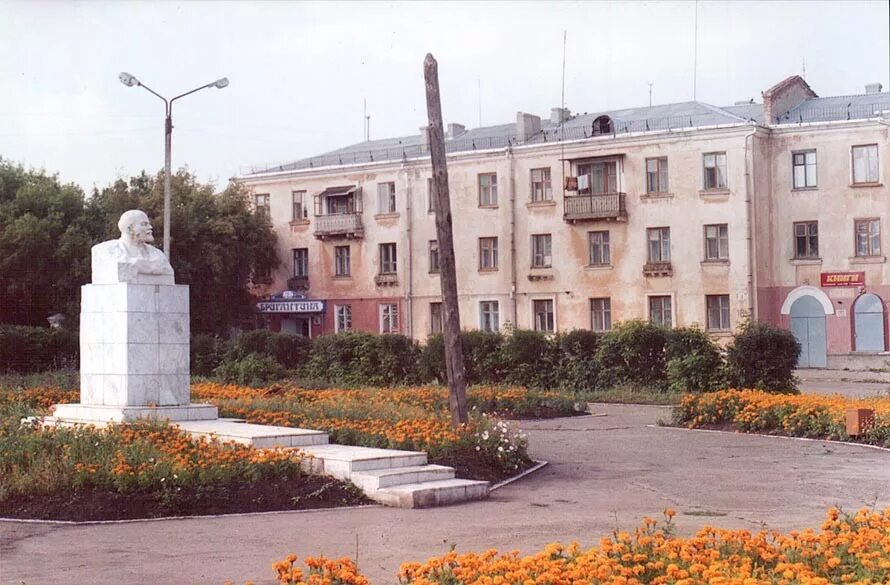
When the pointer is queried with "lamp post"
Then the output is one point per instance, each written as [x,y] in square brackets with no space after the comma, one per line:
[131,81]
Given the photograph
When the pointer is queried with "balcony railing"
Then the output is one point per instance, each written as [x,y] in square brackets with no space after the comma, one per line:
[345,225]
[298,283]
[608,206]
[658,269]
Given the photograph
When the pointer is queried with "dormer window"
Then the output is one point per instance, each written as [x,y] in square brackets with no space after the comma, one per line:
[602,125]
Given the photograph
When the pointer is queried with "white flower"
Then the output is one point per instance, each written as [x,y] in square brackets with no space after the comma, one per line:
[501,449]
[485,436]
[478,448]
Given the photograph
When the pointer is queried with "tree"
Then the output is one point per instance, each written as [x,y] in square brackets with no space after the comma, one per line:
[44,246]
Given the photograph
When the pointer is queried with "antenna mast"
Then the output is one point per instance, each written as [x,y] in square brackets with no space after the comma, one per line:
[695,57]
[650,94]
[367,121]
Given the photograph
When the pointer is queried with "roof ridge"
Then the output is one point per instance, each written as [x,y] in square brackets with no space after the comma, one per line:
[719,110]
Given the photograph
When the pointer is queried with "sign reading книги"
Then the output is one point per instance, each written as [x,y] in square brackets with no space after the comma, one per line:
[842,279]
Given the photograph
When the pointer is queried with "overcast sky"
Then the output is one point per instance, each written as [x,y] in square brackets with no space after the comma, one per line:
[300,71]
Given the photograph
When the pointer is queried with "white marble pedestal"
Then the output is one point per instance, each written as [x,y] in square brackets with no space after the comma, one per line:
[134,355]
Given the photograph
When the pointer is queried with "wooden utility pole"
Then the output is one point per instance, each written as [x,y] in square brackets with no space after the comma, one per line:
[454,354]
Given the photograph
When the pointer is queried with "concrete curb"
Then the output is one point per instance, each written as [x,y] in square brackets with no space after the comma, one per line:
[509,480]
[848,443]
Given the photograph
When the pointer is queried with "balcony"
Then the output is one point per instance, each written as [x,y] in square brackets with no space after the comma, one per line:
[298,283]
[658,269]
[341,225]
[387,279]
[595,207]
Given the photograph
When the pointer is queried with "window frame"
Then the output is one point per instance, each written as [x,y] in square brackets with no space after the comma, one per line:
[542,254]
[433,252]
[604,312]
[719,186]
[660,175]
[807,239]
[388,317]
[304,264]
[551,320]
[805,166]
[386,198]
[877,167]
[263,209]
[303,213]
[339,260]
[670,309]
[437,318]
[721,309]
[543,185]
[489,252]
[664,243]
[604,246]
[488,194]
[870,249]
[487,315]
[722,242]
[342,318]
[388,265]
[430,200]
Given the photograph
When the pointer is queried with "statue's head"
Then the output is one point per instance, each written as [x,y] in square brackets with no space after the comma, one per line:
[134,225]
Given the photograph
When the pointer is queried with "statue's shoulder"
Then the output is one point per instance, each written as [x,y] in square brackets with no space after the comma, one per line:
[109,247]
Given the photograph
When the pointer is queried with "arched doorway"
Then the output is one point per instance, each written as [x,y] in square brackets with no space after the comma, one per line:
[868,323]
[808,326]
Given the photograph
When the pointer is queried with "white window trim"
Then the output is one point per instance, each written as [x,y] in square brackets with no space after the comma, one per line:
[531,310]
[674,315]
[878,181]
[398,324]
[725,169]
[479,307]
[337,328]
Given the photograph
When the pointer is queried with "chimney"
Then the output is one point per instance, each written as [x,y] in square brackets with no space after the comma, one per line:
[784,96]
[455,130]
[559,115]
[527,125]
[424,139]
[873,87]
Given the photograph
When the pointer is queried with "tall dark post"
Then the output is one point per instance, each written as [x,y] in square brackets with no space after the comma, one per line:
[454,355]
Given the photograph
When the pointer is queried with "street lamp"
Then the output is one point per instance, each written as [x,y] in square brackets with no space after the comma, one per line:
[130,81]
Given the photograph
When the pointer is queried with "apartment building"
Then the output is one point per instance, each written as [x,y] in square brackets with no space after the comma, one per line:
[681,214]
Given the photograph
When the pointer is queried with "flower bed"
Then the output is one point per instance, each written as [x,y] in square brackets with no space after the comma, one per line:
[847,549]
[401,418]
[818,416]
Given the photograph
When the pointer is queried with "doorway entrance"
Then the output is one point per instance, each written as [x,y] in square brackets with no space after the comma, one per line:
[808,327]
[868,323]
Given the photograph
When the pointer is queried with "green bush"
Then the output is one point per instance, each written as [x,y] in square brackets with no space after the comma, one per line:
[364,359]
[291,351]
[482,358]
[764,357]
[694,363]
[431,363]
[207,352]
[254,369]
[632,353]
[575,369]
[528,359]
[34,349]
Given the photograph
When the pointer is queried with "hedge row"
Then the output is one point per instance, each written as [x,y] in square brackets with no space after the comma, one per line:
[25,350]
[635,353]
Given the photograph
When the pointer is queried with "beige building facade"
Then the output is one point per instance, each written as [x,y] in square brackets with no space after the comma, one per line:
[682,214]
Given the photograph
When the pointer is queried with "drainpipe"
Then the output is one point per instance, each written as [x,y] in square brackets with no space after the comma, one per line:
[512,183]
[409,301]
[751,226]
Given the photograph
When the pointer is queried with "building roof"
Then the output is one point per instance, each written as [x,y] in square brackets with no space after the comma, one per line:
[579,126]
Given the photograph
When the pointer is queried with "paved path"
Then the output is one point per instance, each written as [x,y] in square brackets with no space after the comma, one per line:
[848,383]
[604,472]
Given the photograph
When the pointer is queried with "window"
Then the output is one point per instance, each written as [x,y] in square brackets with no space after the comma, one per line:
[262,204]
[868,237]
[430,197]
[488,190]
[660,310]
[718,312]
[715,170]
[389,318]
[488,253]
[865,164]
[806,239]
[541,188]
[657,175]
[341,204]
[489,318]
[544,315]
[659,244]
[301,261]
[601,314]
[343,316]
[437,318]
[717,242]
[803,167]
[434,255]
[386,197]
[541,255]
[299,205]
[599,248]
[598,178]
[341,264]
[388,258]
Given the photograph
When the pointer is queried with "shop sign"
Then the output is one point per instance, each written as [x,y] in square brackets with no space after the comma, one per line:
[291,306]
[842,279]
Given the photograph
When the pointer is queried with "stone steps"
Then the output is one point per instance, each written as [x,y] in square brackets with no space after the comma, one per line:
[259,436]
[432,493]
[375,479]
